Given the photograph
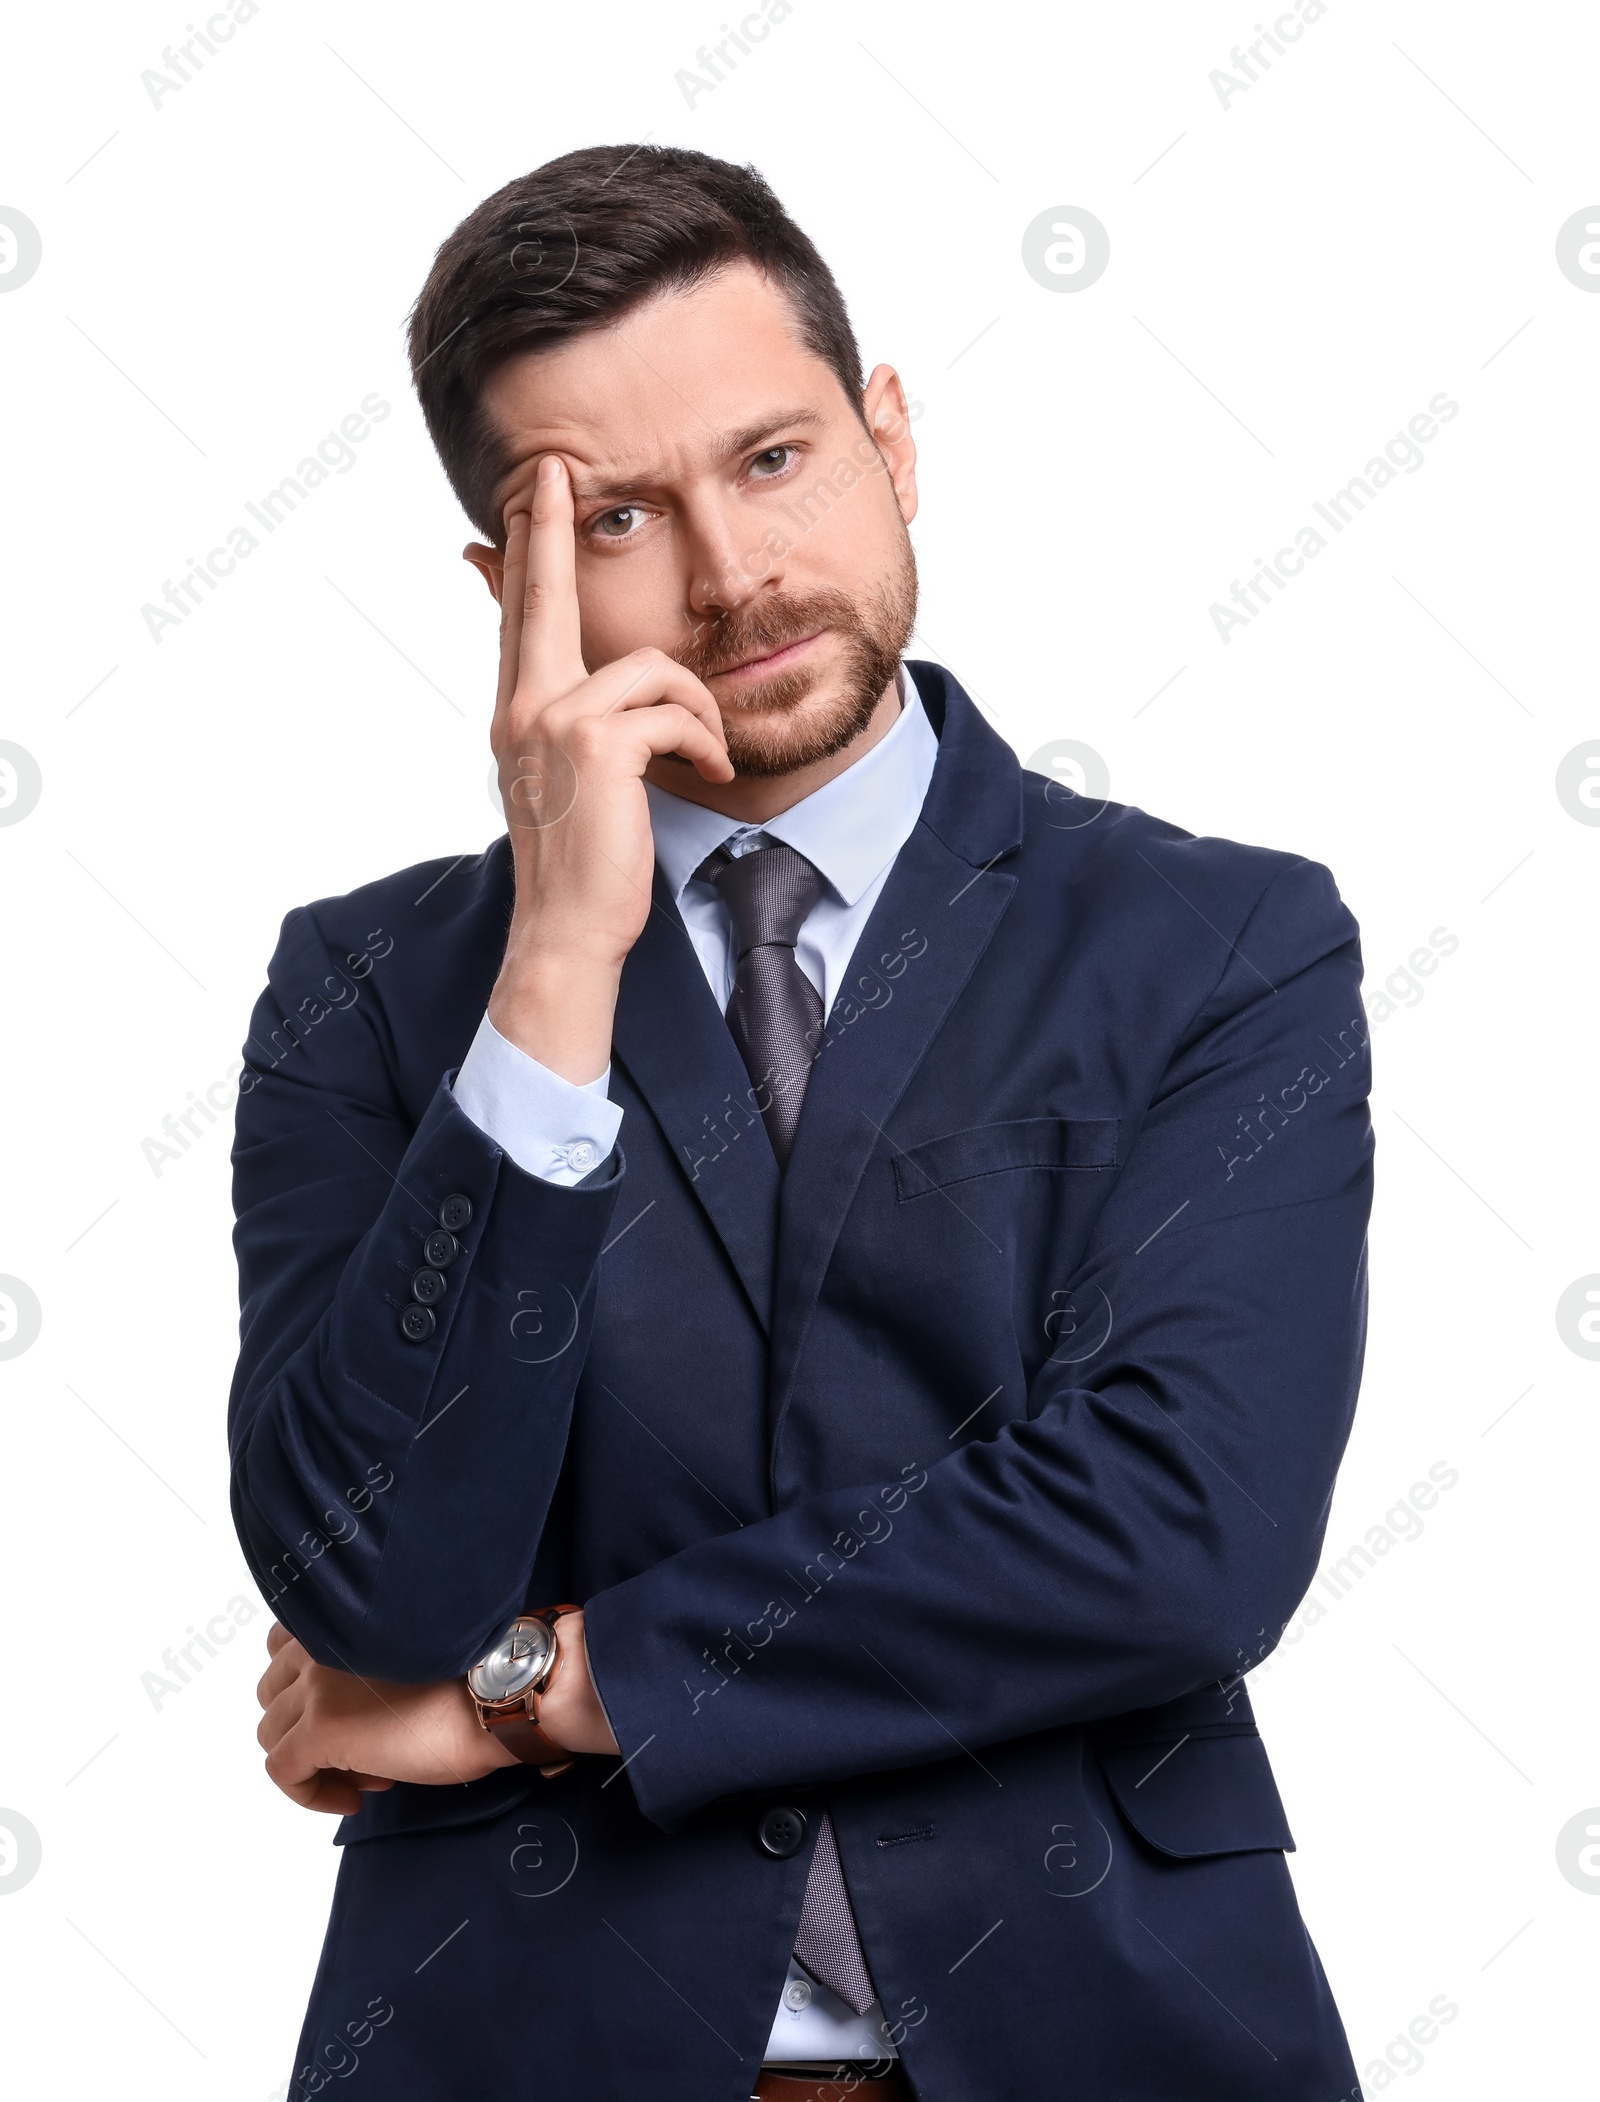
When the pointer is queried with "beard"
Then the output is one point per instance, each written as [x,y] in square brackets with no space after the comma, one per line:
[799,717]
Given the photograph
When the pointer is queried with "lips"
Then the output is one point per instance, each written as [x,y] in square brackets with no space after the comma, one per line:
[771,659]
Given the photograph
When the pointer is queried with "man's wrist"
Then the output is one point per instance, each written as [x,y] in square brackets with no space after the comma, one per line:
[546,1710]
[570,1711]
[558,1008]
[488,1751]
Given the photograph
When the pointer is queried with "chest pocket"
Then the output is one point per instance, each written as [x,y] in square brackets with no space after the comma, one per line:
[1067,1144]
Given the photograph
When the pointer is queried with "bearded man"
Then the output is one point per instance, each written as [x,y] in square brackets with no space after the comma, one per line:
[799,1325]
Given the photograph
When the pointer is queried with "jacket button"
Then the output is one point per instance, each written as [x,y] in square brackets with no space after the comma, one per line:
[440,1249]
[427,1287]
[455,1213]
[417,1324]
[782,1832]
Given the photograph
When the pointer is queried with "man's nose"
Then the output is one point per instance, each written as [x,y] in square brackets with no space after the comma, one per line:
[729,568]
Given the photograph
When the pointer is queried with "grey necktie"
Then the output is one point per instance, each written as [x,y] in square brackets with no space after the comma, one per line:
[775,1014]
[826,1941]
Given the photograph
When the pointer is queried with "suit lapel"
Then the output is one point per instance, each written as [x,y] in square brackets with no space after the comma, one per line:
[937,913]
[677,1050]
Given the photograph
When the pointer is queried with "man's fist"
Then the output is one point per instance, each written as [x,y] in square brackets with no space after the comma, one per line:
[329,1735]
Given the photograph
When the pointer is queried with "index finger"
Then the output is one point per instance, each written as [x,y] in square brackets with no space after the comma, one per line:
[513,582]
[550,660]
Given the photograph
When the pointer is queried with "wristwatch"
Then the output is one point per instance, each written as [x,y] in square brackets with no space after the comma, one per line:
[506,1684]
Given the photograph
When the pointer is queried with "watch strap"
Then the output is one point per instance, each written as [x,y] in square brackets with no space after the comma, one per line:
[521,1734]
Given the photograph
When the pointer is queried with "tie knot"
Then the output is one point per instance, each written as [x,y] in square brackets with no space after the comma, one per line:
[769,893]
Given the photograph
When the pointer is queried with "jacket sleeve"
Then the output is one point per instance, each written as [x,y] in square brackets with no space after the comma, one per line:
[390,1493]
[1149,1524]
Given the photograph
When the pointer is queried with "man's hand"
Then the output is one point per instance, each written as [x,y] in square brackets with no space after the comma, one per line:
[572,750]
[330,1736]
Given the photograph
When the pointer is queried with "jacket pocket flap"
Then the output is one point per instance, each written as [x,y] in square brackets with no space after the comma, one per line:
[1199,1795]
[1032,1142]
[410,1807]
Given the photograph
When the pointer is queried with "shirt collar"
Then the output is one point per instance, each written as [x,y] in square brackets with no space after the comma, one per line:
[850,828]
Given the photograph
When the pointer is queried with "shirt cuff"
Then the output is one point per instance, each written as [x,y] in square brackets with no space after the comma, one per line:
[552,1128]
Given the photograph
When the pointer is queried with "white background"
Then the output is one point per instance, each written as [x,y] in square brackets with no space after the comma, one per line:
[225,276]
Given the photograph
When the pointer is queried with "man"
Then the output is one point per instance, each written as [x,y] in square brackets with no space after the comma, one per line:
[876,1241]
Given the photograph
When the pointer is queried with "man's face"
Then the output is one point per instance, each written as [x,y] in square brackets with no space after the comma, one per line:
[730,508]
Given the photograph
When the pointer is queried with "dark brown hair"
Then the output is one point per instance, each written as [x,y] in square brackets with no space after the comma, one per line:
[575,245]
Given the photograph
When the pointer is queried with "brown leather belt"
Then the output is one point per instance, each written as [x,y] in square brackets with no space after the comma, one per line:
[869,2083]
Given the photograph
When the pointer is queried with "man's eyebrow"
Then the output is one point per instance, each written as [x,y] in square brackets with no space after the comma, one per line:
[728,446]
[743,441]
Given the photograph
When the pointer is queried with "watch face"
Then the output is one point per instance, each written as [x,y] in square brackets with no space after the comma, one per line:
[520,1660]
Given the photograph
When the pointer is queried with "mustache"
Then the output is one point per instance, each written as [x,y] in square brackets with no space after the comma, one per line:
[762,627]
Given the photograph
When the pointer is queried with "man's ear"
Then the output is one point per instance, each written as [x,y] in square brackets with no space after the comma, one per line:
[888,418]
[489,562]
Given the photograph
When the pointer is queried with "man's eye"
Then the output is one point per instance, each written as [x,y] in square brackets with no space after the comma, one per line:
[773,461]
[620,523]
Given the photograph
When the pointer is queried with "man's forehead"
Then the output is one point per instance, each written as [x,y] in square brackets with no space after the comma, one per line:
[604,459]
[671,386]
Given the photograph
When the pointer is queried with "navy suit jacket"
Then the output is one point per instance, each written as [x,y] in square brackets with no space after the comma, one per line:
[950,1481]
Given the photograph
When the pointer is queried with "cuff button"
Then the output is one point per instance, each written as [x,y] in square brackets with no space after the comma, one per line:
[417,1324]
[427,1287]
[455,1213]
[440,1249]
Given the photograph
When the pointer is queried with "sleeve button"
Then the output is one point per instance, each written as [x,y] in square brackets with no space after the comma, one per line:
[455,1213]
[440,1249]
[427,1287]
[417,1324]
